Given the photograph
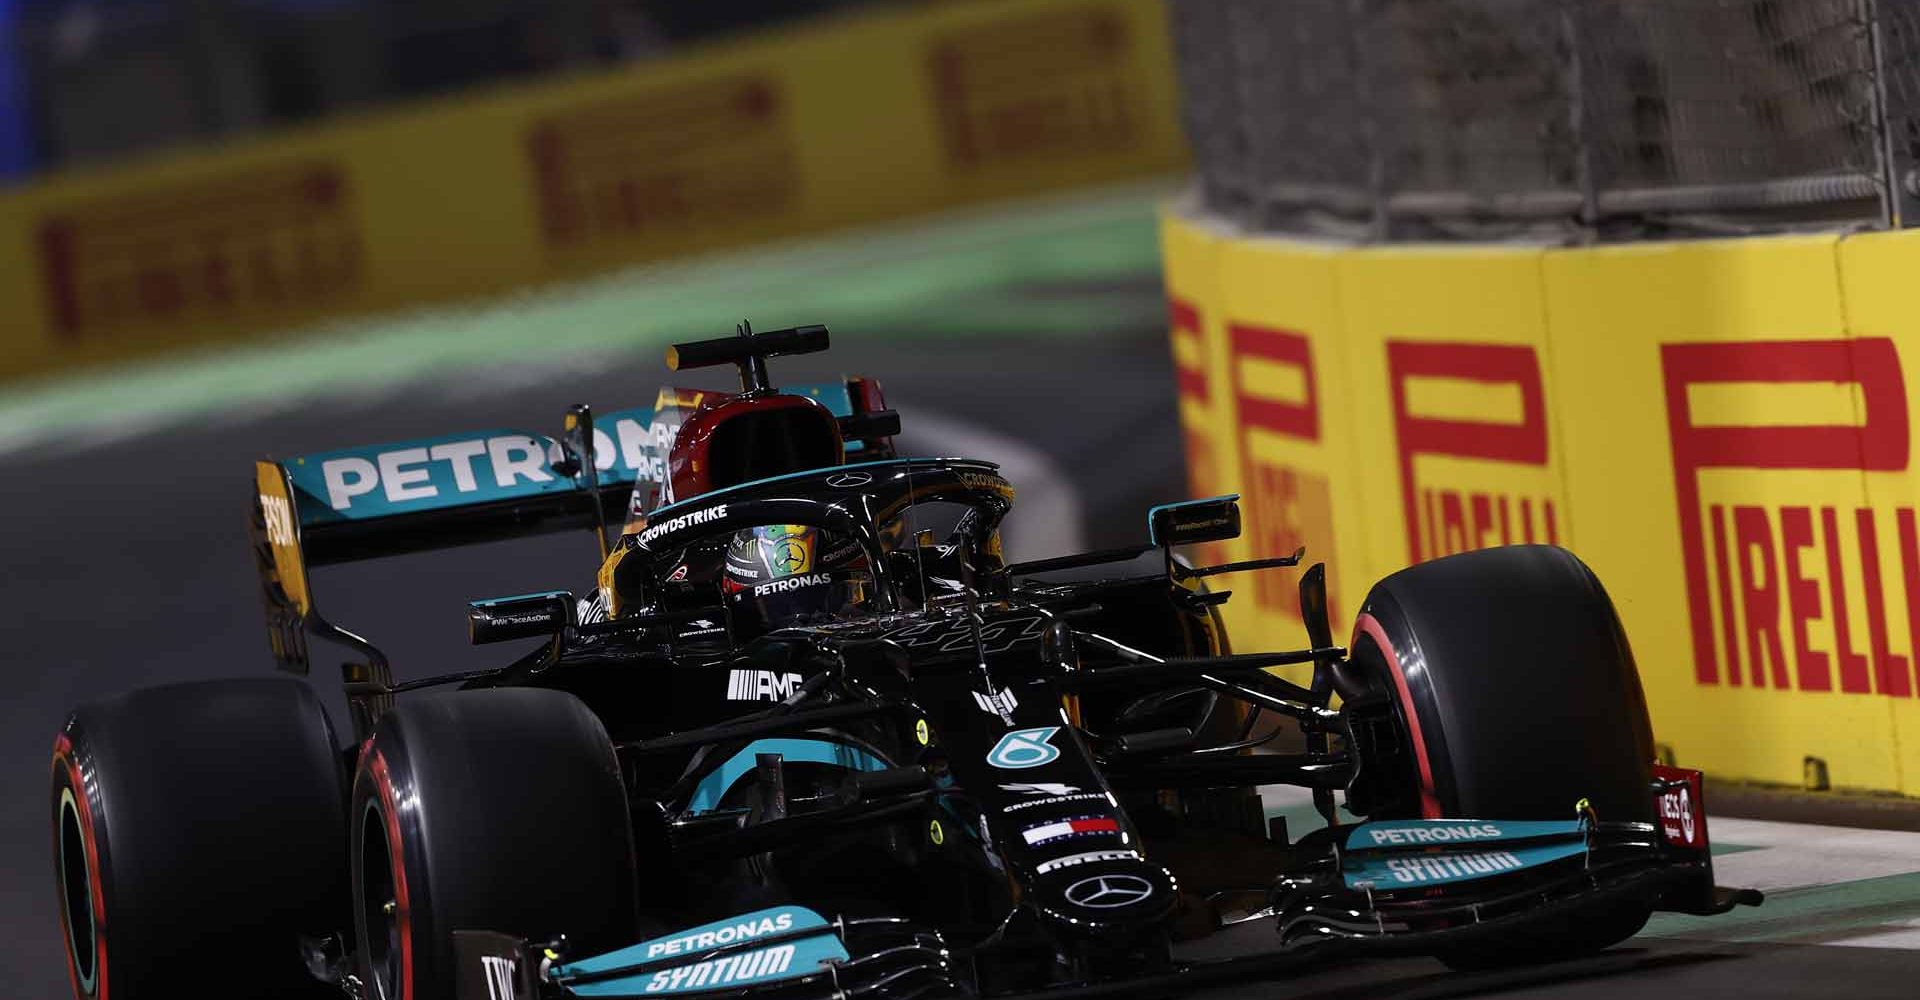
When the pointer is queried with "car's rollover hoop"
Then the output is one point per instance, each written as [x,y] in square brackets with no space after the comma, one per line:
[897,768]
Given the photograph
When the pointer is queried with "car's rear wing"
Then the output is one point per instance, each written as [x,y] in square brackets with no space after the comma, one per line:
[411,496]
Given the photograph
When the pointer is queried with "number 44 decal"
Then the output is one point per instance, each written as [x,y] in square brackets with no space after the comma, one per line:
[1024,748]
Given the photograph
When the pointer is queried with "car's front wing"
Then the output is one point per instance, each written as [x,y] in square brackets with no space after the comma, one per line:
[1383,888]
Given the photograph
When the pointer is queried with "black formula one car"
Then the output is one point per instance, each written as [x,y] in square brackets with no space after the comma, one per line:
[811,737]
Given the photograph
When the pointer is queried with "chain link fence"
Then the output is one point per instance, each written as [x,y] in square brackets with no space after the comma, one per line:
[1572,119]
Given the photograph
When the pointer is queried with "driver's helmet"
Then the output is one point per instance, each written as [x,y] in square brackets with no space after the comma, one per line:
[787,574]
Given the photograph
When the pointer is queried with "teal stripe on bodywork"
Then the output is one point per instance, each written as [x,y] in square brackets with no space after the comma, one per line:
[714,787]
[476,467]
[456,470]
[678,965]
[488,602]
[1413,834]
[1412,870]
[1405,854]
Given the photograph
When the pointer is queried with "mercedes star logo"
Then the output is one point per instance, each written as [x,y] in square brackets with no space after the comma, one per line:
[846,480]
[1105,892]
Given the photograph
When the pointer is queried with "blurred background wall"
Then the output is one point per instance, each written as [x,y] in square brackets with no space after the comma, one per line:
[193,172]
[95,80]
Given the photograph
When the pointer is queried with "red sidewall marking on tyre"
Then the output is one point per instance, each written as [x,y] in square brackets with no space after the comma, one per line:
[1369,626]
[96,895]
[390,812]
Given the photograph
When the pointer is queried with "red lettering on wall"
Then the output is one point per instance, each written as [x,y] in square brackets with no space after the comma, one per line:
[1524,443]
[1054,85]
[1190,379]
[1727,630]
[1288,507]
[1805,578]
[1889,668]
[1760,600]
[257,243]
[641,170]
[1482,520]
[1803,596]
[1878,444]
[1301,419]
[1910,580]
[1853,666]
[1191,385]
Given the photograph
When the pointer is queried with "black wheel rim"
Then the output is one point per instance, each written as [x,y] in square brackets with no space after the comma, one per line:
[379,913]
[1404,803]
[76,892]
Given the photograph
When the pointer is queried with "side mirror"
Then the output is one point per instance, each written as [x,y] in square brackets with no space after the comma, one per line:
[501,619]
[1214,519]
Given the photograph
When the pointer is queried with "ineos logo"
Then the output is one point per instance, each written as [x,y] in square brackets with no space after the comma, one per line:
[848,480]
[1106,892]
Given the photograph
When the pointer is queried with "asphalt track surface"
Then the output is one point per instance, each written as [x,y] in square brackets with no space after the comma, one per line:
[1644,967]
[127,566]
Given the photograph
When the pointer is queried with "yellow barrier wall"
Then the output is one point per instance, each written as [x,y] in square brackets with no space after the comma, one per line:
[1281,367]
[855,121]
[1720,428]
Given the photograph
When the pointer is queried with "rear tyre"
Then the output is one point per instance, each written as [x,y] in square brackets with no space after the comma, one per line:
[498,810]
[1517,690]
[196,836]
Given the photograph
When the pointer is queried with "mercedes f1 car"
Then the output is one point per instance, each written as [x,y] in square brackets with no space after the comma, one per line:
[811,736]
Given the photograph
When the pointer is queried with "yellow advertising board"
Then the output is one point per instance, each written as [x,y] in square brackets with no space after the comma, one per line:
[1720,428]
[1453,412]
[1712,433]
[1876,280]
[857,120]
[1288,438]
[1189,256]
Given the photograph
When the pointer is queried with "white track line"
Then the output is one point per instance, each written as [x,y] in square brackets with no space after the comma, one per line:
[1796,855]
[1905,939]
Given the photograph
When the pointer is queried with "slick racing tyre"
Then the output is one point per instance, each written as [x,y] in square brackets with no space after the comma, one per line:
[495,810]
[196,836]
[1516,688]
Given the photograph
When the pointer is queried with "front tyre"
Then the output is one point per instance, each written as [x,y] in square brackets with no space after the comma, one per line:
[497,810]
[1517,692]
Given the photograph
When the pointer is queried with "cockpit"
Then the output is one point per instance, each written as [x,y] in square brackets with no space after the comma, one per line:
[821,545]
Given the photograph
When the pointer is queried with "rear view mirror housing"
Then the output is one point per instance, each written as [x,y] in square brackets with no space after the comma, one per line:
[501,619]
[862,426]
[1189,522]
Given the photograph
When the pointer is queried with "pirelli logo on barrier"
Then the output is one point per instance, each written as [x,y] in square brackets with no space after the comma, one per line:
[1059,84]
[1784,556]
[1470,426]
[1195,393]
[678,160]
[1289,503]
[263,243]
